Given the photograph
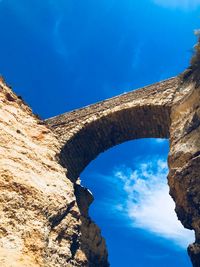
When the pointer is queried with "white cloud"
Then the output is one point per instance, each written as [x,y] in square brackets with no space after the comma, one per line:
[148,203]
[183,4]
[160,140]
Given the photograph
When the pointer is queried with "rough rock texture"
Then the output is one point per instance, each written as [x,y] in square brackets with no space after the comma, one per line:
[41,223]
[44,210]
[184,161]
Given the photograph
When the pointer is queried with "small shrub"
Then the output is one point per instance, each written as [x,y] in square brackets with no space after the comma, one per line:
[193,71]
[195,61]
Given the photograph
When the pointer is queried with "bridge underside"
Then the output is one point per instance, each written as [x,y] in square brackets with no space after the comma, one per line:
[113,129]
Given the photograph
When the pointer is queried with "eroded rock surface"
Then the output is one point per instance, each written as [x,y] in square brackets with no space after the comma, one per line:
[41,223]
[184,161]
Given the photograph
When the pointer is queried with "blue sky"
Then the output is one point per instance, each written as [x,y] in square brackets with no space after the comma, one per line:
[64,54]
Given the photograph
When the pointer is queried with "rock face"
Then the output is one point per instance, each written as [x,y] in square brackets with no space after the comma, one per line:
[44,209]
[184,161]
[41,222]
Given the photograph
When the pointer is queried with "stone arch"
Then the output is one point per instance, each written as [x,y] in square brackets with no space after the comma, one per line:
[87,132]
[112,129]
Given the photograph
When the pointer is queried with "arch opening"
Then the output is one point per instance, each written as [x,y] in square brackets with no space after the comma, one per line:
[109,130]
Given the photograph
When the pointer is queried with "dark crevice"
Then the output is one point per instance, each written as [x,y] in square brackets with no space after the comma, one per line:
[74,245]
[56,219]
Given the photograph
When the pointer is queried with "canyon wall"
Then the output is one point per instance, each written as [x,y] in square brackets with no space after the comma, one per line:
[42,222]
[184,161]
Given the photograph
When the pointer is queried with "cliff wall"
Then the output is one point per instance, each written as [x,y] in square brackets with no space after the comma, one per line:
[184,161]
[42,222]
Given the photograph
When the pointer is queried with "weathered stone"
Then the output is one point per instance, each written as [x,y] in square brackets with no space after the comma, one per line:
[40,220]
[86,132]
[184,161]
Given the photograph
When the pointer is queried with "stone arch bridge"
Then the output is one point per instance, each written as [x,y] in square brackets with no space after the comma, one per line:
[168,109]
[84,133]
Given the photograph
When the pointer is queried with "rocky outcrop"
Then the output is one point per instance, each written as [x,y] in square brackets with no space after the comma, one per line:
[41,222]
[184,161]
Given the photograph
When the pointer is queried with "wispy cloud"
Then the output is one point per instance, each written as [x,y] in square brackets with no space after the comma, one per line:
[145,201]
[60,46]
[183,4]
[136,56]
